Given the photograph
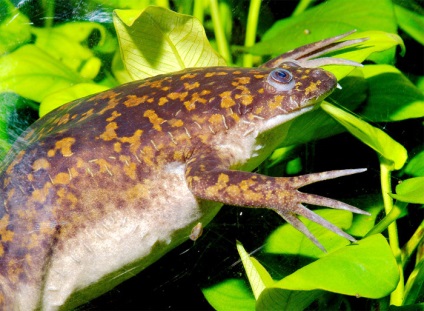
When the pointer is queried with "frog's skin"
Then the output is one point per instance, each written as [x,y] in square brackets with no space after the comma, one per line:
[102,187]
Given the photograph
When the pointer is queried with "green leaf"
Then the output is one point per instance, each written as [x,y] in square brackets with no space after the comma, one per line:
[287,300]
[392,97]
[375,138]
[32,73]
[14,27]
[258,277]
[69,94]
[158,41]
[328,19]
[231,294]
[415,167]
[366,269]
[410,22]
[288,240]
[69,44]
[410,190]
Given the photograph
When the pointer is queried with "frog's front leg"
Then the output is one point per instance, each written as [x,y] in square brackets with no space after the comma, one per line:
[209,177]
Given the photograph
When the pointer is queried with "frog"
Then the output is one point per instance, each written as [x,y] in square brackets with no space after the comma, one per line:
[102,187]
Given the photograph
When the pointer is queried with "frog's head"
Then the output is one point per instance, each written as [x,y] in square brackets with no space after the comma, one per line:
[286,92]
[297,88]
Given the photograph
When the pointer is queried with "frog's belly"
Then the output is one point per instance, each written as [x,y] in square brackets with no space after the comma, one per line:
[124,241]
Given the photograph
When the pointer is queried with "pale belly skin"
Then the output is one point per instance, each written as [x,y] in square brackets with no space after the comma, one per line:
[102,187]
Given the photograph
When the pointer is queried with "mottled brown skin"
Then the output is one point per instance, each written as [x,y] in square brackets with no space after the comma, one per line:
[136,153]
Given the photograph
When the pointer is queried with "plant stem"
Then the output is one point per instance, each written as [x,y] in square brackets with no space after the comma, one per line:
[302,6]
[163,3]
[221,41]
[396,297]
[48,6]
[412,244]
[251,27]
[198,10]
[394,214]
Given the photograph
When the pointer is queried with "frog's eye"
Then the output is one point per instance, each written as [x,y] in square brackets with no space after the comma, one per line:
[281,80]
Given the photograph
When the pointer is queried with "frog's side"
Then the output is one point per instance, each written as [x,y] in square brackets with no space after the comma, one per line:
[102,187]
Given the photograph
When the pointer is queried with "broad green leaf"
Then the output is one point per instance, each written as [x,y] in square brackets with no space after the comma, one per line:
[410,22]
[286,300]
[366,269]
[158,41]
[410,190]
[325,20]
[375,138]
[67,95]
[258,277]
[34,74]
[69,44]
[232,294]
[288,240]
[14,27]
[415,166]
[392,97]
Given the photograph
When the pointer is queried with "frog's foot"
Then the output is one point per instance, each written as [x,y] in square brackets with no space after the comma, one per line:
[295,207]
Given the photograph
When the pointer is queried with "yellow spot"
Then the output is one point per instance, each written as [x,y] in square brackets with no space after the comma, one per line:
[109,133]
[162,101]
[133,100]
[241,80]
[258,76]
[259,109]
[40,195]
[235,117]
[209,74]
[86,114]
[61,179]
[196,98]
[188,76]
[40,164]
[312,87]
[189,105]
[178,156]
[64,145]
[177,95]
[6,235]
[215,119]
[277,102]
[117,147]
[233,190]
[237,72]
[114,115]
[245,99]
[190,86]
[176,122]
[154,119]
[245,184]
[205,92]
[226,101]
[63,119]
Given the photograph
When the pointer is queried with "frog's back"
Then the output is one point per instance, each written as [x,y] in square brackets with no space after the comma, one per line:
[97,172]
